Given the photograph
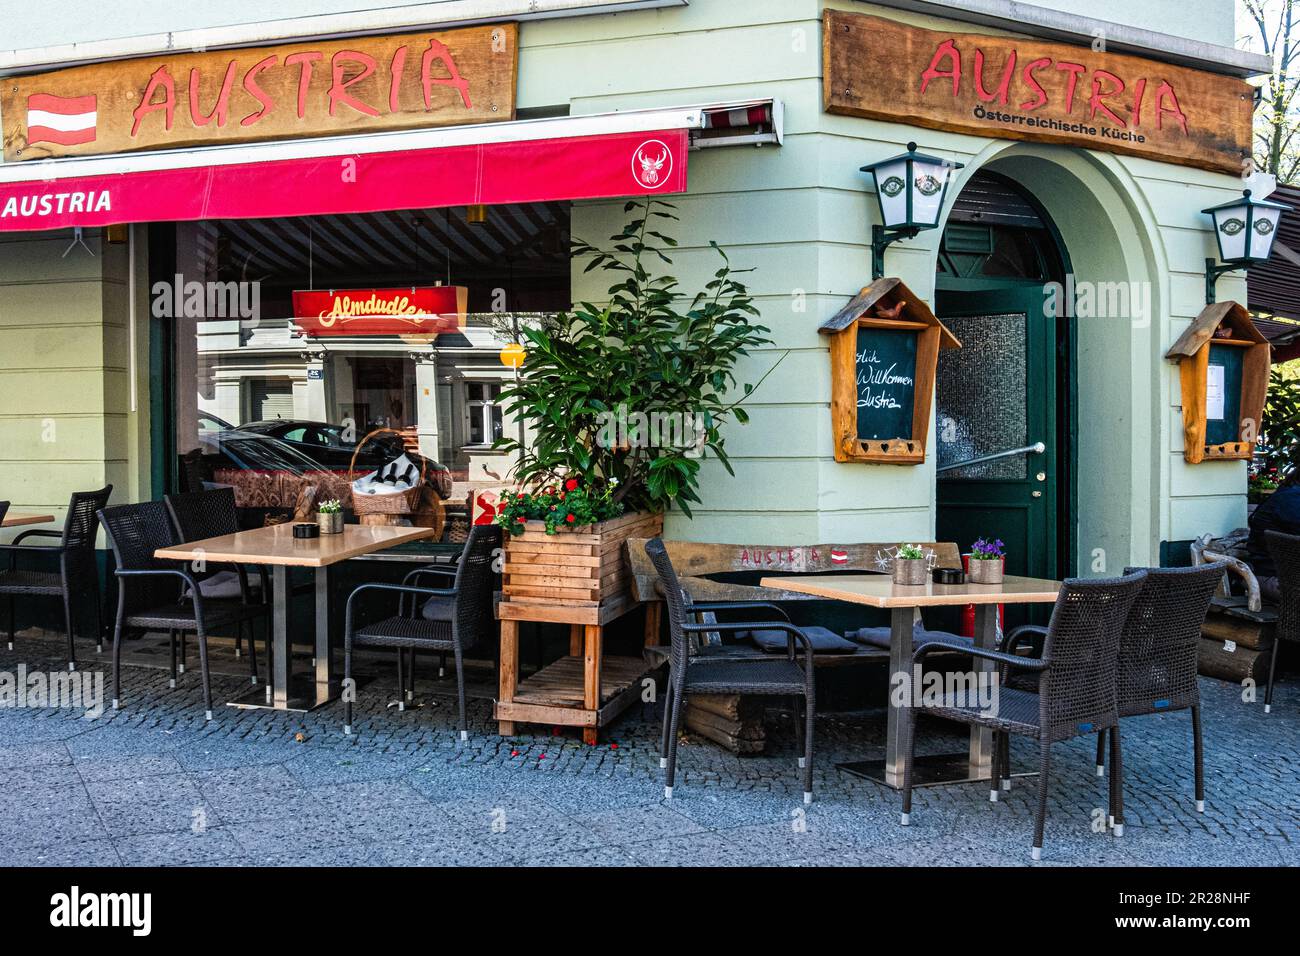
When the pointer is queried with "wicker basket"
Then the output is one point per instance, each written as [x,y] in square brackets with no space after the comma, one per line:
[397,503]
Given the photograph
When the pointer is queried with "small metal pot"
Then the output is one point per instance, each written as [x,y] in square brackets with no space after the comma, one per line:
[909,571]
[330,523]
[985,570]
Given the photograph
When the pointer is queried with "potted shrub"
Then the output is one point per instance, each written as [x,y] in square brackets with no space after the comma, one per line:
[985,562]
[623,401]
[329,515]
[909,565]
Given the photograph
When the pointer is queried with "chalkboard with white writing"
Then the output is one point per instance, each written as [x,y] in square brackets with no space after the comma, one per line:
[885,368]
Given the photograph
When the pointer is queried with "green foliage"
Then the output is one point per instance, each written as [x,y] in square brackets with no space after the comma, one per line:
[331,507]
[649,351]
[909,552]
[1278,451]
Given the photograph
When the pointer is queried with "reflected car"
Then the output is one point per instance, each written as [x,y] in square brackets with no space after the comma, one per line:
[327,445]
[211,423]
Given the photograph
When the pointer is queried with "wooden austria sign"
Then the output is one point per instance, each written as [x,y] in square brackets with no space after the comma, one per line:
[1023,88]
[319,88]
[1223,364]
[884,349]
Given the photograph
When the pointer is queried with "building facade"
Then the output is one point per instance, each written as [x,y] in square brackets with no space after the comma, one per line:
[81,350]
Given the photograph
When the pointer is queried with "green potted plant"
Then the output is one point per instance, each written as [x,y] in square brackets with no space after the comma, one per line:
[985,562]
[329,515]
[909,565]
[623,401]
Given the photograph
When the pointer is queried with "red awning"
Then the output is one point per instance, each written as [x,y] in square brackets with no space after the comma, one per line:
[588,157]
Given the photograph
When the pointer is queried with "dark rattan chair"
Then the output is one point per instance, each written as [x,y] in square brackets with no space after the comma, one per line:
[725,674]
[468,621]
[1157,653]
[149,590]
[1285,551]
[1076,688]
[78,575]
[210,514]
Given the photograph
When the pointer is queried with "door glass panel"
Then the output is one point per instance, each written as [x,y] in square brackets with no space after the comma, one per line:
[981,394]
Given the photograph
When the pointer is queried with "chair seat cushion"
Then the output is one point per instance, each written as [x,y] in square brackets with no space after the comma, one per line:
[773,675]
[224,586]
[438,609]
[404,632]
[823,640]
[23,581]
[879,637]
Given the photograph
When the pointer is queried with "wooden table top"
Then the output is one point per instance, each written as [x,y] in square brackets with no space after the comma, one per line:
[277,545]
[879,590]
[13,519]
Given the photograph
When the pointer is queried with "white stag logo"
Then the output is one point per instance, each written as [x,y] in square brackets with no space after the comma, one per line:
[651,164]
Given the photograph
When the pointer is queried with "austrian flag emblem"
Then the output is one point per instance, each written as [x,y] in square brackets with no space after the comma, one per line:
[65,120]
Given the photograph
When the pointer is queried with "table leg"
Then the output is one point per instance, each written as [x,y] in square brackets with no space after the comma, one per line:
[324,659]
[575,640]
[900,663]
[981,738]
[282,663]
[592,653]
[509,676]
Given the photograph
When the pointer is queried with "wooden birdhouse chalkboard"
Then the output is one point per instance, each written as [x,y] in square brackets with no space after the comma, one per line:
[1223,363]
[884,348]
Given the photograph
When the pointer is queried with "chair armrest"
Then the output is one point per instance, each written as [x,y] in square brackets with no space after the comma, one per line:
[168,572]
[402,589]
[791,631]
[39,533]
[739,606]
[1013,638]
[448,572]
[1011,660]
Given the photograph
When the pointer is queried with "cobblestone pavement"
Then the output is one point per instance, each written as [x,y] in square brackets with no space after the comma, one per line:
[154,784]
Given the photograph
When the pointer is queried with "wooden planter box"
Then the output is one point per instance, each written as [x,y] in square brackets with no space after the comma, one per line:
[579,567]
[577,577]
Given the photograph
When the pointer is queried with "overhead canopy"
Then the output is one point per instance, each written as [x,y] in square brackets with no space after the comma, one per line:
[641,152]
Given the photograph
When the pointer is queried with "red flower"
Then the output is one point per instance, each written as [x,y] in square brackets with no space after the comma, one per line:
[561,495]
[570,518]
[519,497]
[571,484]
[520,519]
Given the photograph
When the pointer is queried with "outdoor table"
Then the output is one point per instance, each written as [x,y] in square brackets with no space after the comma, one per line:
[902,601]
[14,519]
[277,547]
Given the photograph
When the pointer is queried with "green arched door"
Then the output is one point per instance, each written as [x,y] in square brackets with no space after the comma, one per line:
[1000,280]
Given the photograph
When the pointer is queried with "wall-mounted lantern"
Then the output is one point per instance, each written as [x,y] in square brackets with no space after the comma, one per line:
[910,188]
[1244,229]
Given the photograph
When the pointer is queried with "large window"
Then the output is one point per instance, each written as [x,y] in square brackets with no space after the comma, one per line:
[250,374]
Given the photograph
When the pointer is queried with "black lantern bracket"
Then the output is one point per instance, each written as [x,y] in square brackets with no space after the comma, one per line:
[882,239]
[1212,272]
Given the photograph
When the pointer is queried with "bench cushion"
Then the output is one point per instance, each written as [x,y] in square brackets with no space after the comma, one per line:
[824,641]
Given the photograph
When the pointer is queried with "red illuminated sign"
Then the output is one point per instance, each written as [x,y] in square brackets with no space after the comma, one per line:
[419,310]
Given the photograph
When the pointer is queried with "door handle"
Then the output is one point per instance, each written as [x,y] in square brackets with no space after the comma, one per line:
[1037,448]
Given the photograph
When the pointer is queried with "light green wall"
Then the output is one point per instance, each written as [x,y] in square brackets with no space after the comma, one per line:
[65,420]
[800,216]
